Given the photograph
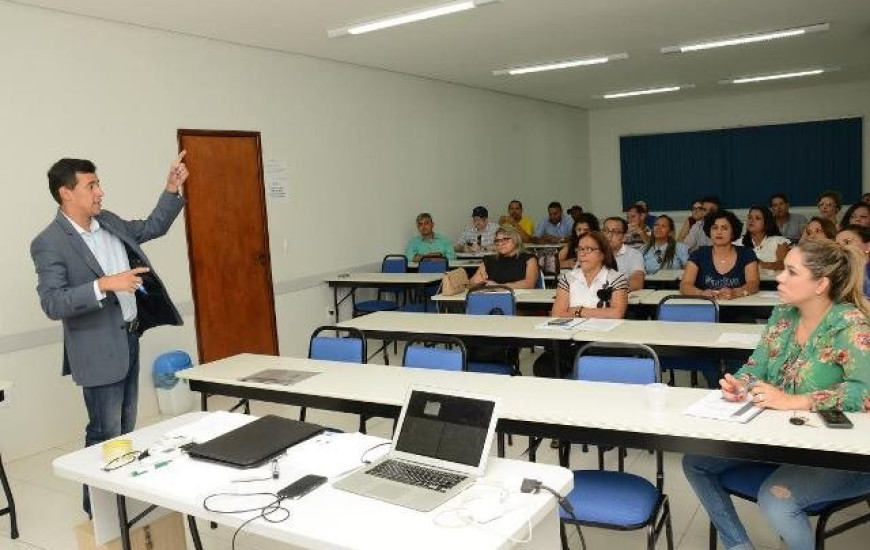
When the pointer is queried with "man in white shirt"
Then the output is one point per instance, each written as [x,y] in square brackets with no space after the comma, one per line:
[479,235]
[628,260]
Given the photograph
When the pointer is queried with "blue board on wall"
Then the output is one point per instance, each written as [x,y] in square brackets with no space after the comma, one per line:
[744,166]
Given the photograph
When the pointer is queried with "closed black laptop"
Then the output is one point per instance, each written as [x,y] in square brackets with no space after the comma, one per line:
[256,442]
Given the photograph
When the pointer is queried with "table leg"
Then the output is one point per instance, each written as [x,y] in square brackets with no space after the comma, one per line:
[123,522]
[194,532]
[10,502]
[335,303]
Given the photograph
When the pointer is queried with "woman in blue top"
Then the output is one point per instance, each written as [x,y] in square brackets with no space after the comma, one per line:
[722,271]
[663,251]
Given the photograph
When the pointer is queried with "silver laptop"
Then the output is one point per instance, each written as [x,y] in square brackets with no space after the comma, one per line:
[441,445]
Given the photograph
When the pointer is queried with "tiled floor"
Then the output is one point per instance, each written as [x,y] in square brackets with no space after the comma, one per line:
[49,507]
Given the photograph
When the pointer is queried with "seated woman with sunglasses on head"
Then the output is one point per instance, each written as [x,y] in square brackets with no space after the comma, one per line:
[511,267]
[813,355]
[663,251]
[594,288]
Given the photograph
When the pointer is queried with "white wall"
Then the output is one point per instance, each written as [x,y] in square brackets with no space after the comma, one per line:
[750,109]
[368,150]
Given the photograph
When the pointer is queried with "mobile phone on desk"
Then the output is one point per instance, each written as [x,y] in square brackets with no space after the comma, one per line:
[835,419]
[301,487]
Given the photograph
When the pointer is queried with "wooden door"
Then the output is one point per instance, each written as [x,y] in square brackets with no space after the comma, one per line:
[228,244]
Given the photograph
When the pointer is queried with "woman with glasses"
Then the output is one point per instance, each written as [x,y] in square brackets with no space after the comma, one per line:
[663,251]
[511,267]
[813,355]
[697,214]
[857,214]
[594,288]
[819,229]
[763,237]
[829,204]
[568,253]
[722,271]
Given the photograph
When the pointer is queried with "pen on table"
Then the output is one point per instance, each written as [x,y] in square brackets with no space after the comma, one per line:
[276,473]
[145,469]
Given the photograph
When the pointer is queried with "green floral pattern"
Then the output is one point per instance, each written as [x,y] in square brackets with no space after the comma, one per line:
[833,367]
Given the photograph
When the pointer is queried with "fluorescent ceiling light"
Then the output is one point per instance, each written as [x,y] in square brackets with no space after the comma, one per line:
[775,76]
[647,91]
[409,17]
[556,65]
[745,39]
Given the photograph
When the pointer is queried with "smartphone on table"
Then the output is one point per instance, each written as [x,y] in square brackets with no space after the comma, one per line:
[835,419]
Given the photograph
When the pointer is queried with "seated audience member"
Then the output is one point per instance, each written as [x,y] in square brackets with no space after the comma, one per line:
[819,228]
[829,204]
[575,212]
[812,356]
[479,235]
[650,219]
[857,214]
[594,288]
[637,232]
[721,271]
[790,225]
[762,236]
[858,237]
[556,228]
[511,267]
[428,243]
[695,215]
[568,253]
[865,198]
[514,218]
[699,235]
[663,251]
[629,261]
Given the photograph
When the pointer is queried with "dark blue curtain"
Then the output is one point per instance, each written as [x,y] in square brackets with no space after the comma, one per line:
[744,166]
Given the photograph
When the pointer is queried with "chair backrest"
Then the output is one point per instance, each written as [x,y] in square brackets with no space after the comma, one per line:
[695,309]
[348,345]
[424,353]
[394,263]
[491,300]
[617,362]
[540,282]
[432,265]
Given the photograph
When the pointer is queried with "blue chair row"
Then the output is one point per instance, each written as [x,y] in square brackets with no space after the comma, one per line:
[696,310]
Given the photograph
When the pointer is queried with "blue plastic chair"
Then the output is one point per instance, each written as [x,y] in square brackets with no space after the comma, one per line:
[493,300]
[744,481]
[688,309]
[347,346]
[423,353]
[425,303]
[618,500]
[392,263]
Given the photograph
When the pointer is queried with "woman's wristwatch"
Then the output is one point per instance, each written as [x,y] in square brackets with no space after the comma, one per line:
[578,312]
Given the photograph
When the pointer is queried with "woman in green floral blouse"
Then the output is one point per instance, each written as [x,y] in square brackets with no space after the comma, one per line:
[813,355]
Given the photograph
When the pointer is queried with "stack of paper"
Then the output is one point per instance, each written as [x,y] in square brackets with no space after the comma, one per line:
[714,406]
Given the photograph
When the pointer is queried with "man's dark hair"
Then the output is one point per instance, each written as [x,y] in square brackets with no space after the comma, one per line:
[730,217]
[516,201]
[782,196]
[63,174]
[555,204]
[712,199]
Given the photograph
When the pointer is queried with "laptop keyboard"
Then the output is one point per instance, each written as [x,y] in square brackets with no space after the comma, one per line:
[420,476]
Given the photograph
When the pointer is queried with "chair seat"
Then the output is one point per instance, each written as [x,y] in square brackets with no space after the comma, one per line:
[370,306]
[745,481]
[612,498]
[491,368]
[426,307]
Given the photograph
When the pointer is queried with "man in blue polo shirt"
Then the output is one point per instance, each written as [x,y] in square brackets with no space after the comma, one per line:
[428,244]
[556,228]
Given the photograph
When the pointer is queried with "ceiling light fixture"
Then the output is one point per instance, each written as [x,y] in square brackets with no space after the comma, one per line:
[746,39]
[647,91]
[408,17]
[776,76]
[556,65]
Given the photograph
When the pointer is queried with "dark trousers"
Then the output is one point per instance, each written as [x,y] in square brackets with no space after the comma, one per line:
[112,407]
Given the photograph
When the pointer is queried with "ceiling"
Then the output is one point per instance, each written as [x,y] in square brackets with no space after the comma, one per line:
[465,48]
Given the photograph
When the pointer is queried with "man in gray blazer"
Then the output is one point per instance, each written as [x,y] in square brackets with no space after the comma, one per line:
[94,277]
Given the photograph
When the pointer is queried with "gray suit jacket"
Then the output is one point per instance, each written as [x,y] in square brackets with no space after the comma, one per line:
[94,333]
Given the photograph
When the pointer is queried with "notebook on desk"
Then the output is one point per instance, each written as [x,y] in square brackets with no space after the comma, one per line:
[441,445]
[256,442]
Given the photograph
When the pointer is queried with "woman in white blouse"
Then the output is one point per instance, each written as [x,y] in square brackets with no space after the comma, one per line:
[763,236]
[594,288]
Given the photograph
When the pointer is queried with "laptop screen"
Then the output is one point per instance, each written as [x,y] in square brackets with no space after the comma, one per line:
[445,427]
